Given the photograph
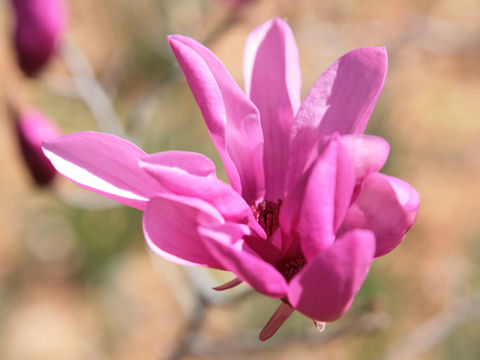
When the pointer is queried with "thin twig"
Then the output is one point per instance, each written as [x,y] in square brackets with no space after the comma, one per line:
[90,90]
[366,323]
[231,19]
[201,281]
[191,330]
[435,330]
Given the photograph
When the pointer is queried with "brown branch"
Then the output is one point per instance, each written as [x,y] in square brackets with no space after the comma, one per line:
[435,330]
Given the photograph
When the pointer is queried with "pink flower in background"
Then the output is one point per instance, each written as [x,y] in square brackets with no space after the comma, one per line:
[39,27]
[307,211]
[32,128]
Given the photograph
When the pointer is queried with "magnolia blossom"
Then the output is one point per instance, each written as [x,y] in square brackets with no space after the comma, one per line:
[39,27]
[32,128]
[306,211]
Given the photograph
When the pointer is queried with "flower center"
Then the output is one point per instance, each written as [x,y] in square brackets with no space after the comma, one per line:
[266,213]
[289,267]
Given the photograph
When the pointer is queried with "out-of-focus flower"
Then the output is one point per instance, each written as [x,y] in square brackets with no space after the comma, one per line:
[307,210]
[32,128]
[39,27]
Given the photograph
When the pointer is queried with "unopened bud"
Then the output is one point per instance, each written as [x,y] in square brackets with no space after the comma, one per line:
[39,28]
[32,128]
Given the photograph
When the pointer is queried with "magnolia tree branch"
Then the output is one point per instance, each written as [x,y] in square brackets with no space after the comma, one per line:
[435,330]
[194,297]
[90,90]
[201,281]
[366,323]
[191,329]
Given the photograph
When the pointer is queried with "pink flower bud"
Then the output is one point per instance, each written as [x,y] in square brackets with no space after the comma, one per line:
[32,128]
[39,27]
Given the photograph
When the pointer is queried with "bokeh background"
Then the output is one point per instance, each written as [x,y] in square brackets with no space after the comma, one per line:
[76,279]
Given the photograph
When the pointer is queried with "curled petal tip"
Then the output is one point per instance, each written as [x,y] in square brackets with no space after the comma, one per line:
[173,37]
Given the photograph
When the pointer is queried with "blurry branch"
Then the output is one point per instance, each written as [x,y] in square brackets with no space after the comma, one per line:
[194,300]
[165,15]
[137,118]
[233,15]
[435,330]
[82,200]
[194,343]
[90,90]
[191,329]
[201,281]
[435,35]
[363,324]
[113,74]
[430,33]
[60,86]
[446,37]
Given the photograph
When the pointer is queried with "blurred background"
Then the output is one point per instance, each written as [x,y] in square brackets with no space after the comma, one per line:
[78,282]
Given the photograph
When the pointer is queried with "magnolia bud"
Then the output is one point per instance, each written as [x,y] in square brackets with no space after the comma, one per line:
[32,128]
[39,27]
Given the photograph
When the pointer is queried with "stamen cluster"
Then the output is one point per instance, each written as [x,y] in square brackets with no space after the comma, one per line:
[266,213]
[289,267]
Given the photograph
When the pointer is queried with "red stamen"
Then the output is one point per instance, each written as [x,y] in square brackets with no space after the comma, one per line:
[266,213]
[289,267]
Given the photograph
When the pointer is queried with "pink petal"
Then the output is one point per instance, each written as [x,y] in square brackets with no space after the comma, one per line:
[105,164]
[170,227]
[267,248]
[324,289]
[368,153]
[273,83]
[340,101]
[232,120]
[190,162]
[386,205]
[210,189]
[313,209]
[226,245]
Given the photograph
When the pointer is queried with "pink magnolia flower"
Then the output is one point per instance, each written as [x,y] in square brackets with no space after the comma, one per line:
[307,210]
[39,27]
[32,128]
